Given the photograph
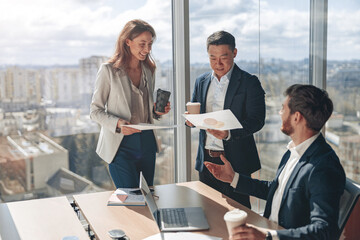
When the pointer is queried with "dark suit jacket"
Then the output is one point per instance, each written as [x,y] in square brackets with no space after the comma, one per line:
[310,205]
[246,99]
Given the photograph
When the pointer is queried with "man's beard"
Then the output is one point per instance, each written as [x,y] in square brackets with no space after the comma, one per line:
[286,127]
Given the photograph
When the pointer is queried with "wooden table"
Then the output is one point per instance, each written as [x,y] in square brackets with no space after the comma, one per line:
[50,218]
[137,222]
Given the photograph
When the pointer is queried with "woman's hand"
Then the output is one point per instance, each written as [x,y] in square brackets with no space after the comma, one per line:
[126,130]
[167,109]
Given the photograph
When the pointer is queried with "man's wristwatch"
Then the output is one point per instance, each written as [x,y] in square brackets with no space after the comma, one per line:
[268,236]
[118,130]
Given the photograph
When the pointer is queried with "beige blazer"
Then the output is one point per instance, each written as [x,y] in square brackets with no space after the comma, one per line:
[112,100]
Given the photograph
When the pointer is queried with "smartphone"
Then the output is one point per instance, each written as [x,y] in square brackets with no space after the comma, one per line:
[162,98]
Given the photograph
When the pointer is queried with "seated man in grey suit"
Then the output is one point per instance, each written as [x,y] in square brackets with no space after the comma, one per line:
[304,196]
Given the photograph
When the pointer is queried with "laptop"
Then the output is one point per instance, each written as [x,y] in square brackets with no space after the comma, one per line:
[173,219]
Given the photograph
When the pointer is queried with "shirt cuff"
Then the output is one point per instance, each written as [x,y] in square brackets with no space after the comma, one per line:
[228,137]
[274,235]
[235,180]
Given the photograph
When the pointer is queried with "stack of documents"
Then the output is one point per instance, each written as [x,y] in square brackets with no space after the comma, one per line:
[127,197]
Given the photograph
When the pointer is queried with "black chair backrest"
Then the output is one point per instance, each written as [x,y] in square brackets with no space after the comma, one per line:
[347,202]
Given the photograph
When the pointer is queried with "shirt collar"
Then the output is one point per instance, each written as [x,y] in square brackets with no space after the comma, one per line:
[224,78]
[302,147]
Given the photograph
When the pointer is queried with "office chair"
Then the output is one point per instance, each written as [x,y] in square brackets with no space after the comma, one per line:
[347,202]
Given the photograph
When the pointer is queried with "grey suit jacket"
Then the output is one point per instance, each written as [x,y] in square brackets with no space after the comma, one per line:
[112,100]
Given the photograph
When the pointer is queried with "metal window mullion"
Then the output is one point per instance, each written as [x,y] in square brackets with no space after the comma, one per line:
[181,66]
[318,43]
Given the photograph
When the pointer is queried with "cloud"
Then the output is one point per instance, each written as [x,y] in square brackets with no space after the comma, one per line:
[240,18]
[343,34]
[52,32]
[218,8]
[61,32]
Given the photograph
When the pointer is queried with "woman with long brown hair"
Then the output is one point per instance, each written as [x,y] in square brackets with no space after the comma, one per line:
[124,95]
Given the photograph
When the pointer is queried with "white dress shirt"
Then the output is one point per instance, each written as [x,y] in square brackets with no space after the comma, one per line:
[215,102]
[296,153]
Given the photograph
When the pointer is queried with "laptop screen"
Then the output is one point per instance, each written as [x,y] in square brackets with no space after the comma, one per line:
[150,201]
[194,216]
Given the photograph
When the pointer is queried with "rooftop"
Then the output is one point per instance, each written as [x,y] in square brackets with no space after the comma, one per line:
[33,144]
[67,182]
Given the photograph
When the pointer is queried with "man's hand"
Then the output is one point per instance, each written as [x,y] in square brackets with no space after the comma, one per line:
[189,124]
[224,172]
[219,134]
[249,232]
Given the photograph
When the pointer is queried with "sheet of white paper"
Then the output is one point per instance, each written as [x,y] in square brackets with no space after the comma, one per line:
[219,120]
[147,126]
[181,236]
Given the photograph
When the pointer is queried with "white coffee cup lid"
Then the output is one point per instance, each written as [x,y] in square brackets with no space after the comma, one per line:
[234,215]
[192,103]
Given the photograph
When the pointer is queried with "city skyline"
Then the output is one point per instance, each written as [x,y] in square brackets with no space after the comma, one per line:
[63,118]
[44,33]
[51,51]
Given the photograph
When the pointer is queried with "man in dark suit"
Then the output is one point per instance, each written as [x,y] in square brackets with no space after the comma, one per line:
[229,87]
[304,196]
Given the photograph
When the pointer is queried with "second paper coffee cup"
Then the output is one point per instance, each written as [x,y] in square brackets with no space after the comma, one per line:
[193,107]
[234,218]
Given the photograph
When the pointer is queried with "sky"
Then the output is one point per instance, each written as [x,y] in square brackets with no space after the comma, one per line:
[48,32]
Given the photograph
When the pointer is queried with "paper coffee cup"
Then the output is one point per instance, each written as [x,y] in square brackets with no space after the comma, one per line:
[193,107]
[234,218]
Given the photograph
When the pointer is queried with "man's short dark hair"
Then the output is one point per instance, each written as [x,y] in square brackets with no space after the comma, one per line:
[221,38]
[312,102]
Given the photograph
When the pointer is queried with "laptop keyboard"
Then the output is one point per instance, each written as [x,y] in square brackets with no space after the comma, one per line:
[174,217]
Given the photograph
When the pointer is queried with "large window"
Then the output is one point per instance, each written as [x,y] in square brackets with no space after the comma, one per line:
[284,60]
[50,52]
[272,39]
[241,19]
[343,83]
